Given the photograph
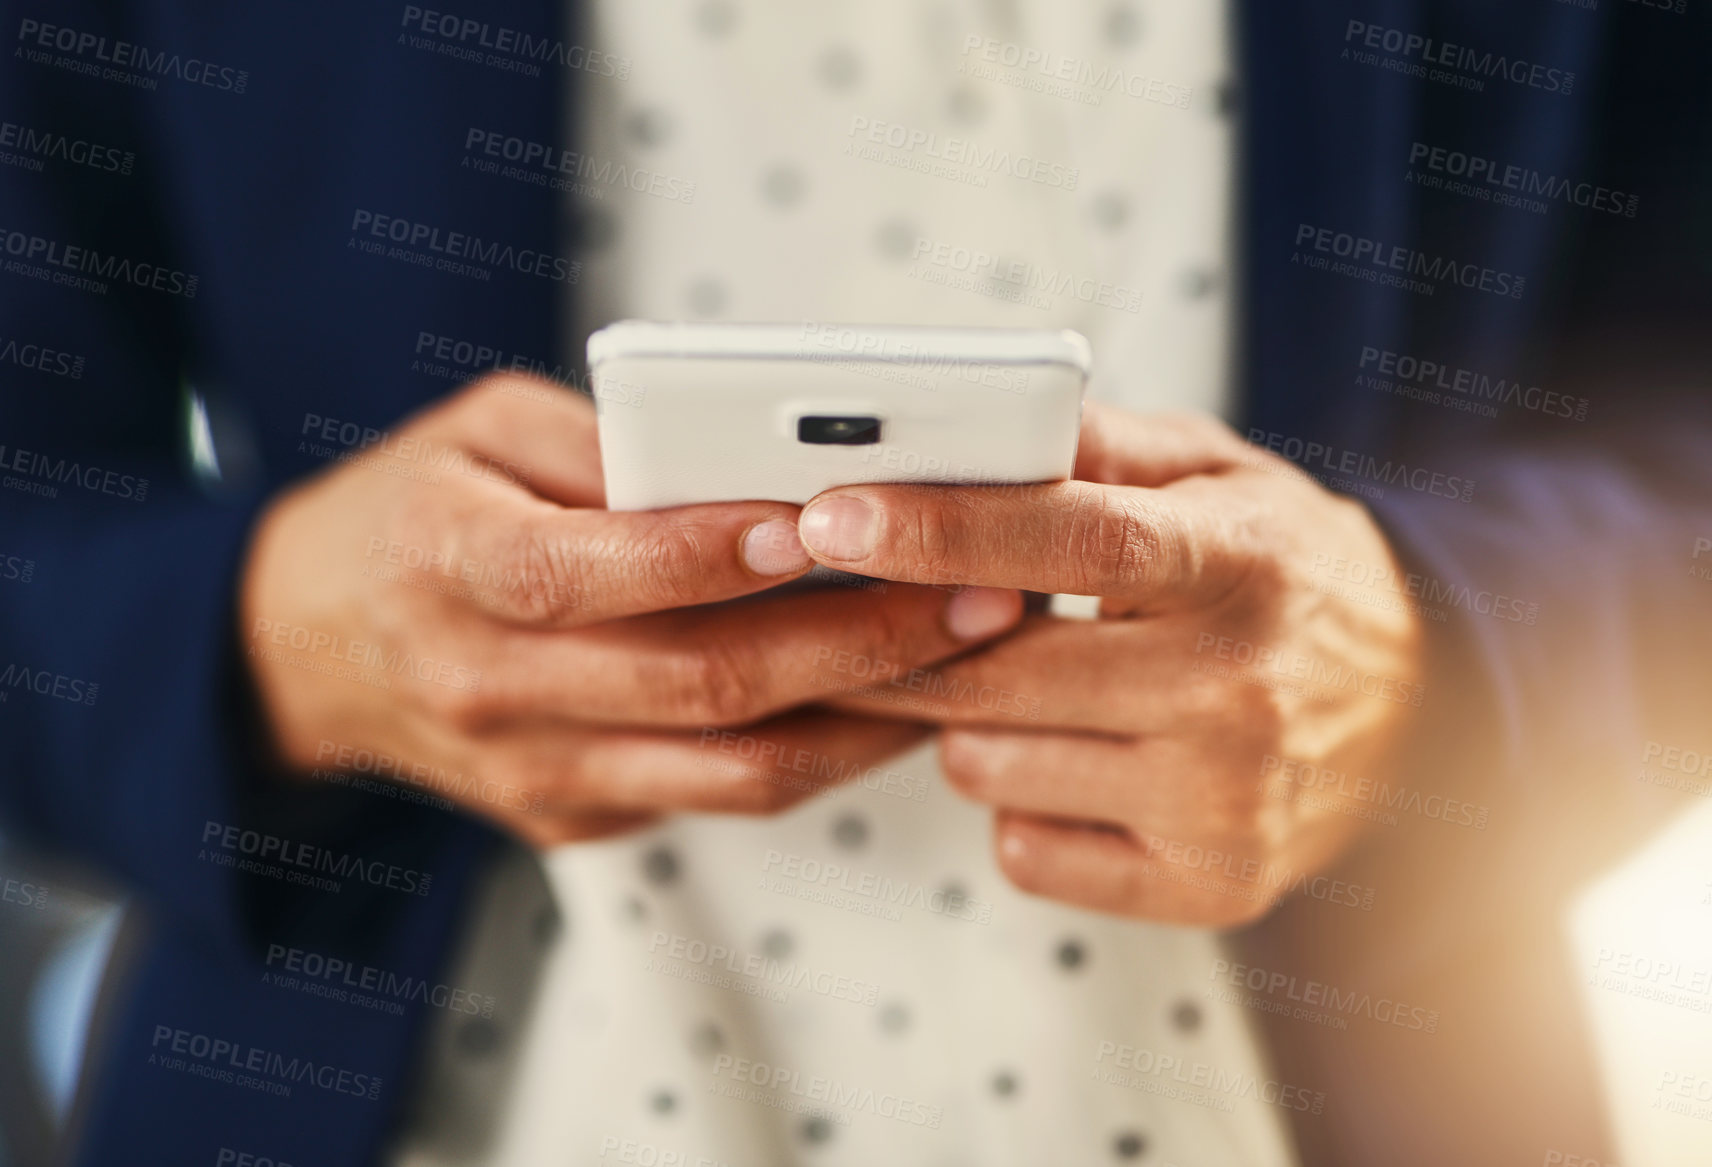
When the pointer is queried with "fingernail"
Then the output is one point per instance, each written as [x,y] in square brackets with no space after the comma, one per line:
[1012,847]
[772,548]
[840,528]
[977,613]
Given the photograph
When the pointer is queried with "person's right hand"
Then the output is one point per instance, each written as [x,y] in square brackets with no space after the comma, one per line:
[456,597]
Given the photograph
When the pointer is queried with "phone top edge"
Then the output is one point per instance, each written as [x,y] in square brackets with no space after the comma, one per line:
[821,341]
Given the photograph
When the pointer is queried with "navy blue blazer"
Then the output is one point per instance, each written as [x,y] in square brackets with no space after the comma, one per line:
[202,239]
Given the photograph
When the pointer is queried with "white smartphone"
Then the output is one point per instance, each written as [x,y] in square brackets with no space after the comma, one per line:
[692,413]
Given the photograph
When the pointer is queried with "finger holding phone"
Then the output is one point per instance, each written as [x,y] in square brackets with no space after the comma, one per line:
[1154,779]
[492,618]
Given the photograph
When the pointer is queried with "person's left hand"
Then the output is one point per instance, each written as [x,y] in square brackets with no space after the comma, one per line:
[1154,762]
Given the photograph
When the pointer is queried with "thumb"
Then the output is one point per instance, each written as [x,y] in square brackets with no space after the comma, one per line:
[540,432]
[1120,448]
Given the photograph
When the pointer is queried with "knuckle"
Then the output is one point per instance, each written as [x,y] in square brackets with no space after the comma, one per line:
[964,767]
[930,537]
[760,793]
[719,684]
[466,711]
[1113,541]
[672,565]
[550,573]
[1022,866]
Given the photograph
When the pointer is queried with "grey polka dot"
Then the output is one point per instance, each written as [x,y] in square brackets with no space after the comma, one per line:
[715,17]
[778,943]
[1122,25]
[648,127]
[1129,1145]
[707,297]
[850,831]
[1071,955]
[894,1017]
[478,1037]
[966,106]
[956,896]
[816,1129]
[708,1039]
[1198,282]
[1002,11]
[782,185]
[663,1102]
[1111,210]
[1005,1084]
[839,67]
[1186,1016]
[896,239]
[635,909]
[660,865]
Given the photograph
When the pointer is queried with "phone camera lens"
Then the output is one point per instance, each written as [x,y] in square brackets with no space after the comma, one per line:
[838,431]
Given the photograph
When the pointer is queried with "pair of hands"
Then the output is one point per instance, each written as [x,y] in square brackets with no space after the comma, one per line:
[504,626]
